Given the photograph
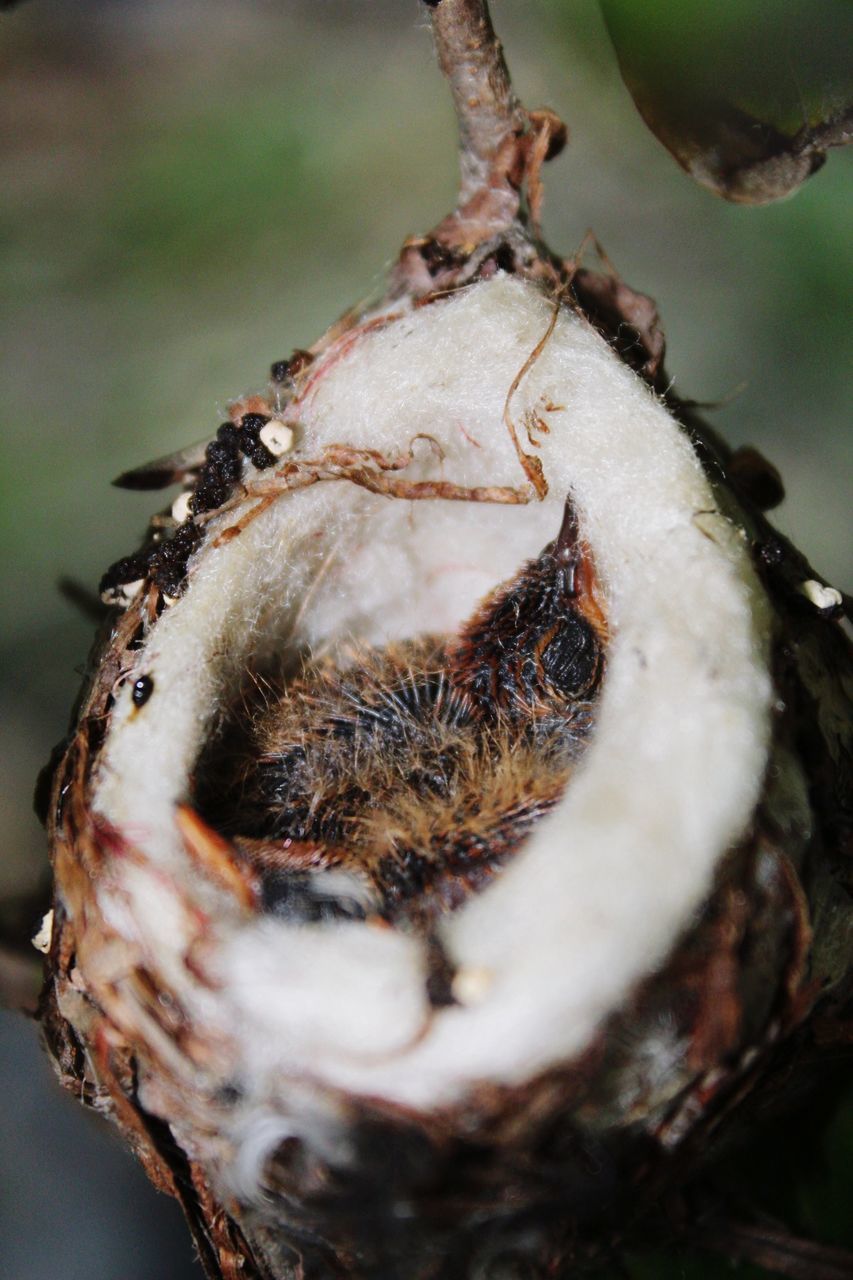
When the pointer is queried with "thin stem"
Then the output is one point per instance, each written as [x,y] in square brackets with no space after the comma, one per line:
[471,57]
[775,1249]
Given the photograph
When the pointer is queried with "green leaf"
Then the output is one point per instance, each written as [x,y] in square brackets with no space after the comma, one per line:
[747,95]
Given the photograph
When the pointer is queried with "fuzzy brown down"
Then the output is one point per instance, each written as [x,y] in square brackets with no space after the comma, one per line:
[416,769]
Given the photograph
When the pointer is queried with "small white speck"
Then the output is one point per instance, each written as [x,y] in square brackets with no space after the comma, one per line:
[277,437]
[123,592]
[748,1058]
[181,507]
[821,597]
[471,985]
[43,938]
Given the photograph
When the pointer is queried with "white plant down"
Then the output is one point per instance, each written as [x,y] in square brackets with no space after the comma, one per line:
[607,883]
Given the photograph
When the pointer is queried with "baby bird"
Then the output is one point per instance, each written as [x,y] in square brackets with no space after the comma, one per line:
[400,783]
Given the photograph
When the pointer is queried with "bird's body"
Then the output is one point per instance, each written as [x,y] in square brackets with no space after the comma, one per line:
[414,771]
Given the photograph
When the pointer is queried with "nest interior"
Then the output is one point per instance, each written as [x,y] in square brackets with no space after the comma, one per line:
[610,875]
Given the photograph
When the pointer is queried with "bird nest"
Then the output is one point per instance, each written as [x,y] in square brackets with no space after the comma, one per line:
[450,836]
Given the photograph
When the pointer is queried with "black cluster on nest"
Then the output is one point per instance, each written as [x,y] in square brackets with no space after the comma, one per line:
[164,561]
[284,372]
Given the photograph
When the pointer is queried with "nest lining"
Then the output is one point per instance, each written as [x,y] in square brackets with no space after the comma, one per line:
[607,882]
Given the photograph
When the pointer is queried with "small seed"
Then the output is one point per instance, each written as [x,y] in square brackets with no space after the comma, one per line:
[277,437]
[820,596]
[181,507]
[43,938]
[123,592]
[471,985]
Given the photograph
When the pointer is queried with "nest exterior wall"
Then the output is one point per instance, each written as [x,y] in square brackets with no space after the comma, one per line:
[606,885]
[246,1036]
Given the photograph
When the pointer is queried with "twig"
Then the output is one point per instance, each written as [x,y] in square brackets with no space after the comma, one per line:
[776,1250]
[489,114]
[531,465]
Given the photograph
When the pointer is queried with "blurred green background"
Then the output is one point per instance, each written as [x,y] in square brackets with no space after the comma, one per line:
[189,189]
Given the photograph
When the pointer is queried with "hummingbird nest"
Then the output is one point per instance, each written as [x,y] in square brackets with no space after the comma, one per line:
[449,843]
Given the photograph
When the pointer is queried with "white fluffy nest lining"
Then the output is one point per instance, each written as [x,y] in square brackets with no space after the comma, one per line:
[607,882]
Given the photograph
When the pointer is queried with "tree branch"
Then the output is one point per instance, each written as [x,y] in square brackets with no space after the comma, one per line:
[489,114]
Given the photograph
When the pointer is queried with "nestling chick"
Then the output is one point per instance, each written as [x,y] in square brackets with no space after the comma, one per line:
[416,770]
